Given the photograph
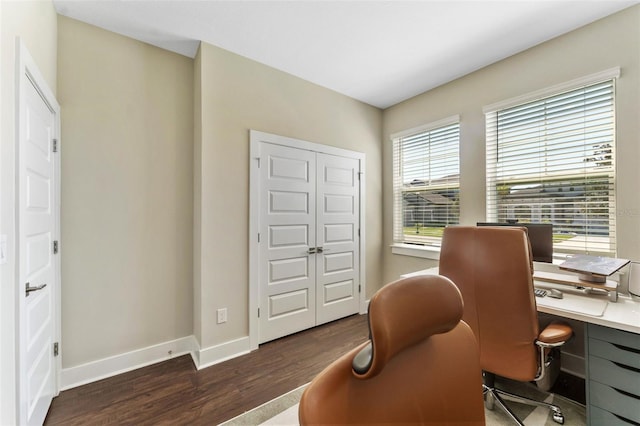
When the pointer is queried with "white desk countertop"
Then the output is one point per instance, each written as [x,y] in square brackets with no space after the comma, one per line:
[576,304]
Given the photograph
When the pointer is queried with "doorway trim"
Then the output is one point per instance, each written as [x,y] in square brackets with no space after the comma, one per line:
[256,138]
[27,73]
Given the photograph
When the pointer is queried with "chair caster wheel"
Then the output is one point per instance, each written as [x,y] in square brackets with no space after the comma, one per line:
[558,418]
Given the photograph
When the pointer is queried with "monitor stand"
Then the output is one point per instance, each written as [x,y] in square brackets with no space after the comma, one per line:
[610,287]
[592,278]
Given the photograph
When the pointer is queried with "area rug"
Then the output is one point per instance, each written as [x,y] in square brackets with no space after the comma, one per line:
[283,411]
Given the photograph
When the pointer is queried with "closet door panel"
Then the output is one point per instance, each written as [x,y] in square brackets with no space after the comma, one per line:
[337,263]
[287,225]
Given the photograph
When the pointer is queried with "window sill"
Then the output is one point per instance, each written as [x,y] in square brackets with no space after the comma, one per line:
[433,253]
[425,252]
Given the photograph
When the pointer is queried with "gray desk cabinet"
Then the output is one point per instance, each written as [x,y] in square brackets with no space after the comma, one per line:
[613,376]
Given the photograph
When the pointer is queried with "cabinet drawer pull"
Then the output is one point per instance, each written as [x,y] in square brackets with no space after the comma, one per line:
[627,367]
[626,420]
[625,393]
[626,348]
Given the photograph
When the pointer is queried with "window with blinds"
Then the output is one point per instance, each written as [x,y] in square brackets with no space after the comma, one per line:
[426,166]
[552,160]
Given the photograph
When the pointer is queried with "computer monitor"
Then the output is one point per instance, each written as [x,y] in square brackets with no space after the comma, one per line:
[540,237]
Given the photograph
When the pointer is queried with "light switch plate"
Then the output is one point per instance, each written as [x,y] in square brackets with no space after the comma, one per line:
[3,249]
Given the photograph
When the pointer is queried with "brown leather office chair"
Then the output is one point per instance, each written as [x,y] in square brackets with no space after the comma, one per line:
[493,269]
[421,365]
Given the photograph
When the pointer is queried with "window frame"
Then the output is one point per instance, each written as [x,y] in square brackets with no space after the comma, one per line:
[550,92]
[427,249]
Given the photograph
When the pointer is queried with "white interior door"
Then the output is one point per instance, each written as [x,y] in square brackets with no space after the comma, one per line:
[337,224]
[309,245]
[38,270]
[287,235]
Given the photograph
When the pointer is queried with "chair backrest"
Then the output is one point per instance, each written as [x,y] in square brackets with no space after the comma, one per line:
[421,365]
[492,267]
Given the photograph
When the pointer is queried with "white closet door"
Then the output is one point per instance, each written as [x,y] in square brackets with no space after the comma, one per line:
[287,236]
[338,268]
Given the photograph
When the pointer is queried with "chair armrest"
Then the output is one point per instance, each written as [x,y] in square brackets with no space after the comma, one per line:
[555,334]
[363,359]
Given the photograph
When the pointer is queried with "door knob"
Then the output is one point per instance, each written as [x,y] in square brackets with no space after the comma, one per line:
[29,289]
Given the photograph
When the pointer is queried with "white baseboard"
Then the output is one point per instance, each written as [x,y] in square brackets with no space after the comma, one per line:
[215,354]
[118,364]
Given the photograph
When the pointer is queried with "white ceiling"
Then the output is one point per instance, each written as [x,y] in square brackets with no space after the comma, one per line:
[379,52]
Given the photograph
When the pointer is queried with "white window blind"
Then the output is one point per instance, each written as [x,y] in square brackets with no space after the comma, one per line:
[426,165]
[552,160]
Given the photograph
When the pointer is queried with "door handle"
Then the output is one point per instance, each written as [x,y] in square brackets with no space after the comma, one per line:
[28,289]
[314,250]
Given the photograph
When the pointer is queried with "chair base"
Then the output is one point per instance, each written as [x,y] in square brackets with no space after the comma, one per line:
[492,395]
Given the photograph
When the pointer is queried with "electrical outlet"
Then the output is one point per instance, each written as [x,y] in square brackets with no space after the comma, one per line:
[222,315]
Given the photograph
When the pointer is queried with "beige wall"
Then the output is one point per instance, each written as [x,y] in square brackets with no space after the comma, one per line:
[36,24]
[146,212]
[127,193]
[610,42]
[238,95]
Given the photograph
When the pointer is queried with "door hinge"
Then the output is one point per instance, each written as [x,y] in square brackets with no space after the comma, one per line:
[258,237]
[55,247]
[359,288]
[56,351]
[358,232]
[360,175]
[258,312]
[55,145]
[258,158]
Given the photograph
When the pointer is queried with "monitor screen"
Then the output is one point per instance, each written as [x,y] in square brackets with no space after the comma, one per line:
[540,236]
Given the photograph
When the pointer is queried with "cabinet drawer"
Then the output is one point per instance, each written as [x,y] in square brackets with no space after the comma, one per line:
[616,402]
[598,416]
[624,355]
[616,375]
[619,337]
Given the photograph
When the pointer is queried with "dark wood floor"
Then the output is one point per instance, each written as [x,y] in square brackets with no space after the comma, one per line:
[174,392]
